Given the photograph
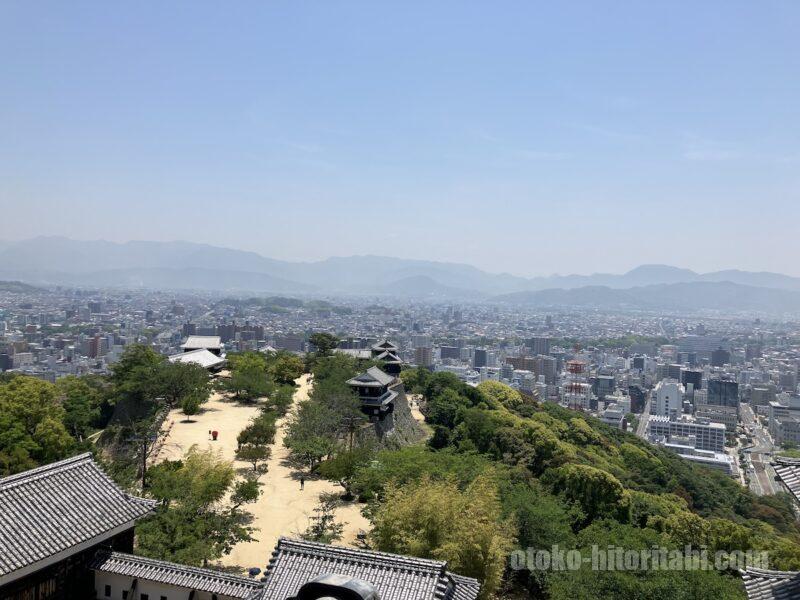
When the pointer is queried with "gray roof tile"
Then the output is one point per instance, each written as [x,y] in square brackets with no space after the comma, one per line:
[295,562]
[762,584]
[790,476]
[53,508]
[192,578]
[372,377]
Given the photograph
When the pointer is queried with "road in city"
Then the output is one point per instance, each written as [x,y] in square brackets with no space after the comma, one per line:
[762,476]
[641,428]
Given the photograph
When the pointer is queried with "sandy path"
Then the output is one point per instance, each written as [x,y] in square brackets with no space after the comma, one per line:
[413,404]
[225,416]
[283,509]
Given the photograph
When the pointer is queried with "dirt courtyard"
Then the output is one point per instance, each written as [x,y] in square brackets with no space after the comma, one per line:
[283,508]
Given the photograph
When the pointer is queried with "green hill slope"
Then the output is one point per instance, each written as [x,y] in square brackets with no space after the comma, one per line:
[567,479]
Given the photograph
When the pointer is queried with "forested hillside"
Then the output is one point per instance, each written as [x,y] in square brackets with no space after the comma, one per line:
[502,471]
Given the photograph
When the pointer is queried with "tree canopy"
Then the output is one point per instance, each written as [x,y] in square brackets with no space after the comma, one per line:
[191,526]
[32,425]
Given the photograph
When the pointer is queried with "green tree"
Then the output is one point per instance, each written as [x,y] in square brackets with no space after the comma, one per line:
[256,455]
[345,465]
[281,399]
[312,434]
[260,431]
[597,492]
[323,526]
[438,520]
[500,393]
[324,343]
[177,381]
[285,367]
[245,491]
[248,376]
[587,583]
[81,402]
[415,379]
[135,375]
[32,430]
[191,525]
[190,404]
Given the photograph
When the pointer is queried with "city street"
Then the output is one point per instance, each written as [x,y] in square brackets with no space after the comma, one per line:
[762,475]
[641,428]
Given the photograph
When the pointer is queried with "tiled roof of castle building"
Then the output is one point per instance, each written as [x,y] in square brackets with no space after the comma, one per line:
[203,341]
[58,507]
[389,357]
[385,345]
[789,473]
[761,584]
[372,377]
[295,562]
[167,573]
[201,356]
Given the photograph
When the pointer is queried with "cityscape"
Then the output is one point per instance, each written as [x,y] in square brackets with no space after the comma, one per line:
[717,390]
[399,300]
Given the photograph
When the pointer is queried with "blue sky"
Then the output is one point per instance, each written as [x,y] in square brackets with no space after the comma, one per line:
[528,137]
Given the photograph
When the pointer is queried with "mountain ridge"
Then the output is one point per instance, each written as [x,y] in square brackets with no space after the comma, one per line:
[188,265]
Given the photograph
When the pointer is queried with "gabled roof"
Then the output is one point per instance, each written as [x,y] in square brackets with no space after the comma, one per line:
[167,573]
[54,509]
[388,357]
[201,356]
[382,400]
[385,345]
[295,562]
[762,584]
[203,341]
[372,377]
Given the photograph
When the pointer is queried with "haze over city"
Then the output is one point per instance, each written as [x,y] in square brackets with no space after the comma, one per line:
[521,138]
[400,300]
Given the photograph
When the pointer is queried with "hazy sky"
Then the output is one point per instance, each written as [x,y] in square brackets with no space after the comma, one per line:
[529,137]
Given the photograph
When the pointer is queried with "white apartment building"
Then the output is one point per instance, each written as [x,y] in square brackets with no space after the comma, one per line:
[706,435]
[668,398]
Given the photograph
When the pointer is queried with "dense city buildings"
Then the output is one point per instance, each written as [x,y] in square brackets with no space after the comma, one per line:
[623,368]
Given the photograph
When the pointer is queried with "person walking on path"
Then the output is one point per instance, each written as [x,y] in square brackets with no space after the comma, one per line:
[302,482]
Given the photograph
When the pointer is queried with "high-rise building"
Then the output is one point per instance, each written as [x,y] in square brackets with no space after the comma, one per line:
[668,398]
[674,371]
[479,358]
[603,385]
[692,377]
[720,357]
[637,396]
[227,332]
[762,395]
[722,392]
[421,341]
[423,356]
[539,345]
[450,352]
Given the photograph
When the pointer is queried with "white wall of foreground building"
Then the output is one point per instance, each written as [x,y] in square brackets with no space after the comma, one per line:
[154,591]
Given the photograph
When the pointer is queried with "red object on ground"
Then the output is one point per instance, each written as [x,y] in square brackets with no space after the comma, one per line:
[214,435]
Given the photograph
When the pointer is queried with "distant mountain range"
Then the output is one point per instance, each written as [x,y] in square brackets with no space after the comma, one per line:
[686,296]
[186,265]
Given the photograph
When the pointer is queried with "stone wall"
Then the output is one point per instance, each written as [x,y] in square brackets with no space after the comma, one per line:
[398,428]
